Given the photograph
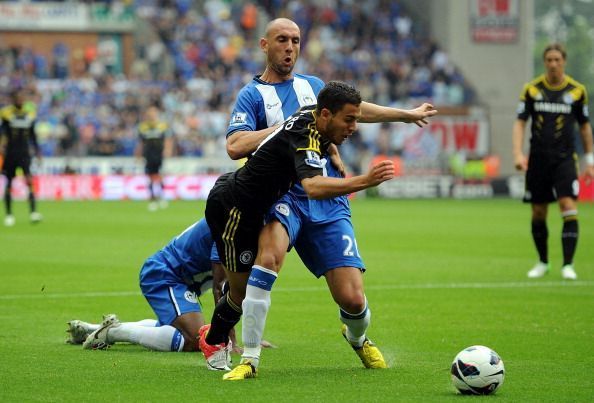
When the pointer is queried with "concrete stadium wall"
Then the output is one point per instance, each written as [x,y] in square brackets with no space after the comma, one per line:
[496,71]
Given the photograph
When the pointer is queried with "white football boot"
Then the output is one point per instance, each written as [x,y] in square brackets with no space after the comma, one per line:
[79,331]
[98,339]
[539,270]
[568,273]
[9,221]
[35,217]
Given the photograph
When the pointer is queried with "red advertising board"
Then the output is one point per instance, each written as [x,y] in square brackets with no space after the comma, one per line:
[113,187]
[494,21]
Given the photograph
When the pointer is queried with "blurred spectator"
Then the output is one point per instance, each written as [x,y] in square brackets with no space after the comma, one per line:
[192,56]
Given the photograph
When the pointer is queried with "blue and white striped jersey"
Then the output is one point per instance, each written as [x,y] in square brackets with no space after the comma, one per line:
[190,254]
[260,105]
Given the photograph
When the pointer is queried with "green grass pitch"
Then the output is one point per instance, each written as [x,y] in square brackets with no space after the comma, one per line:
[442,275]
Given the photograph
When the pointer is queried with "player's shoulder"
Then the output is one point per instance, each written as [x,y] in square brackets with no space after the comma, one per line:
[163,126]
[7,111]
[532,88]
[575,83]
[302,122]
[142,126]
[577,90]
[312,79]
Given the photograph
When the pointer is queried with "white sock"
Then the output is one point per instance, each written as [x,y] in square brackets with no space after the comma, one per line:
[162,338]
[357,325]
[146,322]
[255,307]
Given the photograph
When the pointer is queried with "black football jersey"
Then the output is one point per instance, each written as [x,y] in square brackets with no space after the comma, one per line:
[554,111]
[153,137]
[18,131]
[289,154]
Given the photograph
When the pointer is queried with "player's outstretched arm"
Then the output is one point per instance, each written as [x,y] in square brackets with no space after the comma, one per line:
[323,187]
[242,143]
[373,113]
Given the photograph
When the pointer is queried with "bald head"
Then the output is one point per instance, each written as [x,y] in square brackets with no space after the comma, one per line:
[280,24]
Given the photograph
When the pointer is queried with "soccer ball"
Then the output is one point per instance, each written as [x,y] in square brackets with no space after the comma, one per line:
[477,370]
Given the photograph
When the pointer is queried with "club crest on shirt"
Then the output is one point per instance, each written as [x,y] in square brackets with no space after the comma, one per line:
[246,257]
[190,296]
[307,100]
[313,159]
[567,98]
[238,118]
[283,209]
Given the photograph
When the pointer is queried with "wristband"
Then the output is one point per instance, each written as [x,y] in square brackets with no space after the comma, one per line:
[589,158]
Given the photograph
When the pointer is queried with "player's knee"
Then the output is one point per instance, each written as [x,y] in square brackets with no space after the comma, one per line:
[270,259]
[352,302]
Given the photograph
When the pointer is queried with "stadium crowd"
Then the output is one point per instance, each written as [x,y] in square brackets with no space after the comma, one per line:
[192,56]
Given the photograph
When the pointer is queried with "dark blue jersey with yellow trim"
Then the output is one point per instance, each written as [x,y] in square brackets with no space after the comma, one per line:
[554,112]
[18,131]
[153,135]
[289,154]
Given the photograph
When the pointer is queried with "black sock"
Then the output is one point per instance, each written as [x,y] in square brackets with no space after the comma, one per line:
[226,315]
[32,206]
[540,234]
[8,198]
[152,190]
[569,238]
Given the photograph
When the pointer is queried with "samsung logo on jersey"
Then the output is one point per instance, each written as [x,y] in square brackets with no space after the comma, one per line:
[24,123]
[552,107]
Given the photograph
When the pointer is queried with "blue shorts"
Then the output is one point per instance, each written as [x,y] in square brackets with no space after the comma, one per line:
[322,246]
[165,291]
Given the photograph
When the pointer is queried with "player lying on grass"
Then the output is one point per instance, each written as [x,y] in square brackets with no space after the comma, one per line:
[171,280]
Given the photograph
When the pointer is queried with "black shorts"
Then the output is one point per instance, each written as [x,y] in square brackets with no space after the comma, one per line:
[153,166]
[234,232]
[547,181]
[11,163]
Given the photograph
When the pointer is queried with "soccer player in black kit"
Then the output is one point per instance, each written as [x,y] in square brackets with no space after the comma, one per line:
[237,204]
[17,140]
[555,102]
[153,143]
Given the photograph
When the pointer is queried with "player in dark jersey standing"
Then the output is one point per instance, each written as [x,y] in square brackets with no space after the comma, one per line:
[555,102]
[239,201]
[17,138]
[154,142]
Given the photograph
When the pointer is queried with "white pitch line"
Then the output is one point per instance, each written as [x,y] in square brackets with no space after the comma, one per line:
[429,286]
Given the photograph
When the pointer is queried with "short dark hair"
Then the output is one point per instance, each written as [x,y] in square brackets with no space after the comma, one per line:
[337,94]
[555,46]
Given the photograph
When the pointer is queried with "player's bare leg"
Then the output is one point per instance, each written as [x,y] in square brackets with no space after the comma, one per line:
[189,324]
[346,287]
